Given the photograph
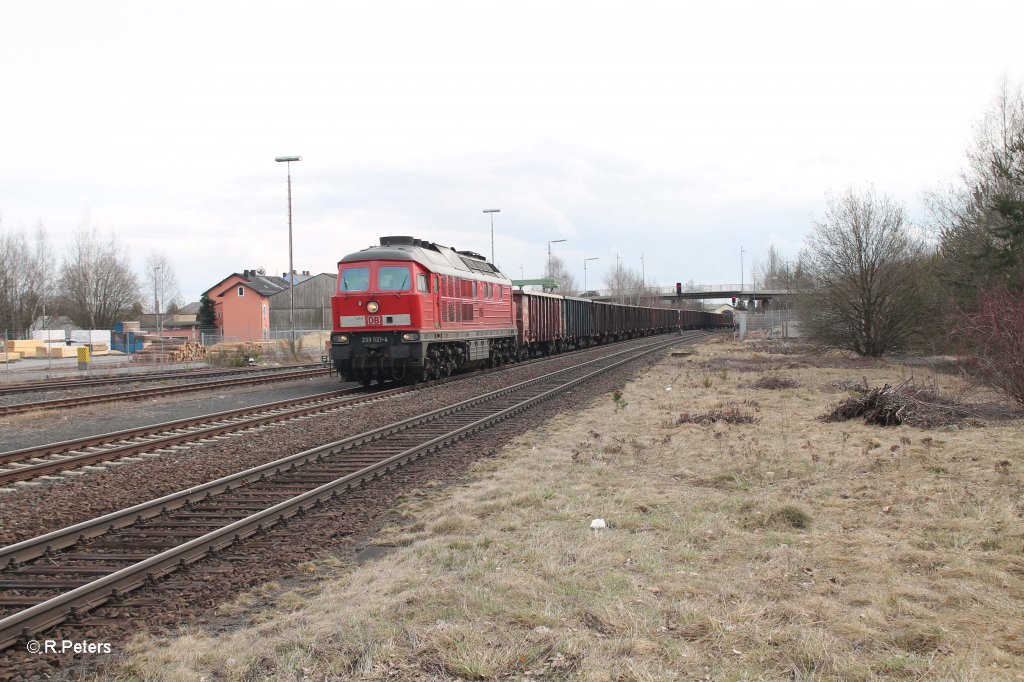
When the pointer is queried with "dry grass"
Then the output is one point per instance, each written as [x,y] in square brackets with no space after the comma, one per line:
[789,549]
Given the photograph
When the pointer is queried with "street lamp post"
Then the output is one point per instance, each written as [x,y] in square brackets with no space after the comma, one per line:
[291,266]
[156,303]
[741,271]
[585,260]
[553,241]
[492,211]
[643,277]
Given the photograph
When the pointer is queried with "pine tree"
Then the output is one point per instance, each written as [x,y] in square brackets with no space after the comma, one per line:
[205,317]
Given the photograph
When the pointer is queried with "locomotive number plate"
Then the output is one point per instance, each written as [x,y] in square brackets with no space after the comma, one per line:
[372,319]
[375,339]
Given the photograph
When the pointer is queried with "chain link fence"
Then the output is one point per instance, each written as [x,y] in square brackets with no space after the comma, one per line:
[770,324]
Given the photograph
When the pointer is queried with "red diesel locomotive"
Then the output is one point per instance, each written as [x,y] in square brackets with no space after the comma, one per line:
[410,310]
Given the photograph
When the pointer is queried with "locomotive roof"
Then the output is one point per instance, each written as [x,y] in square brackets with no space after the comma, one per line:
[435,257]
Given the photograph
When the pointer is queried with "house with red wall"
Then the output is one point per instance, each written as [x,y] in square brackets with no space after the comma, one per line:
[241,304]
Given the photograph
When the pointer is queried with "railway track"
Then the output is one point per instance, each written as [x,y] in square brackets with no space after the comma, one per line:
[66,573]
[290,375]
[65,384]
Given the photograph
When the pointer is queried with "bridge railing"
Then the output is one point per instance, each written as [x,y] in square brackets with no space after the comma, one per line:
[720,289]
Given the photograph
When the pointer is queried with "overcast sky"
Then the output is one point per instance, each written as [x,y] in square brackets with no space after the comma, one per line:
[679,131]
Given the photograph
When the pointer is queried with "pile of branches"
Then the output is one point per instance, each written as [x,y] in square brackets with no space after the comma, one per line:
[904,403]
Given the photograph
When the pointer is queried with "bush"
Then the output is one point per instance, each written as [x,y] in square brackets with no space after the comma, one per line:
[993,336]
[236,356]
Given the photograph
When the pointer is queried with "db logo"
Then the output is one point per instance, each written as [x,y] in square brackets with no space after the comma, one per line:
[373,319]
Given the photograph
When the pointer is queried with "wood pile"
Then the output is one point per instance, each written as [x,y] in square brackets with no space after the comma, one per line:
[98,349]
[63,352]
[26,348]
[9,356]
[170,350]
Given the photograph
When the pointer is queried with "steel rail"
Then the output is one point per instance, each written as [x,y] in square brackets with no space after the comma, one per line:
[81,599]
[19,408]
[321,402]
[59,384]
[60,447]
[66,537]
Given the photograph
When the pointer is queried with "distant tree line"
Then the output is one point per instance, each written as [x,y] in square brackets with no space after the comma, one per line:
[92,283]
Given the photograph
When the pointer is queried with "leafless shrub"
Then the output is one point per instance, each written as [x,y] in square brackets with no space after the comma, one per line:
[732,413]
[775,382]
[994,336]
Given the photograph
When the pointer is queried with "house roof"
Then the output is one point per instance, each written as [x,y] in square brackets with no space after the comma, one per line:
[190,309]
[268,285]
[265,285]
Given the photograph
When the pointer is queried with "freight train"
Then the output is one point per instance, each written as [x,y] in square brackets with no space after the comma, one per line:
[411,310]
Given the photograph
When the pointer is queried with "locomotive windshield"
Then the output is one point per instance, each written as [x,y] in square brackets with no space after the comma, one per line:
[354,279]
[393,278]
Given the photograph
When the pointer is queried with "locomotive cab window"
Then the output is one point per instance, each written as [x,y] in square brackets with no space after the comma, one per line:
[393,278]
[354,279]
[421,282]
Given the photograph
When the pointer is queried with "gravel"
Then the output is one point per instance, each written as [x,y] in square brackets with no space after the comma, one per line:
[340,529]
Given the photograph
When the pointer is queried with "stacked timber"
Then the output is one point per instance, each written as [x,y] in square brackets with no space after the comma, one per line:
[27,349]
[170,350]
[63,352]
[99,348]
[9,356]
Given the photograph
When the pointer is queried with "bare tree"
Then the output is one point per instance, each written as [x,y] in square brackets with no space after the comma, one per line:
[865,271]
[97,283]
[555,269]
[775,272]
[625,284]
[26,278]
[161,282]
[778,274]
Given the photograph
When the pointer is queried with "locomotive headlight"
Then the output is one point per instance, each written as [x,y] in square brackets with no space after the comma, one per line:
[411,336]
[372,307]
[339,338]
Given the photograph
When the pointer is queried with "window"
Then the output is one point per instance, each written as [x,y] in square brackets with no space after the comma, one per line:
[421,282]
[393,278]
[354,279]
[241,291]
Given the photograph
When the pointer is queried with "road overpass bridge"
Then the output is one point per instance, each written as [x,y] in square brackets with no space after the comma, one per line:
[705,292]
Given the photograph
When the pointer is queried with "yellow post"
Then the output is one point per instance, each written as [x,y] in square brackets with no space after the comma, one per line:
[83,357]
